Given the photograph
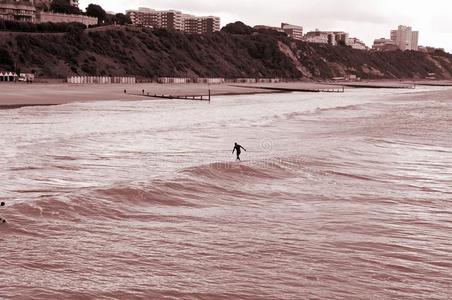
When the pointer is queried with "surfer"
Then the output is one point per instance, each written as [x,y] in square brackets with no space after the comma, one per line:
[1,219]
[237,149]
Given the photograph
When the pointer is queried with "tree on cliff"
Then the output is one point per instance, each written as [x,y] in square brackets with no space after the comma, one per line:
[238,28]
[64,7]
[42,5]
[94,10]
[6,60]
[122,19]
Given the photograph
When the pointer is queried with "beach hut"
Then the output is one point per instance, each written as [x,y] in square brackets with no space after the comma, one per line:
[12,76]
[2,76]
[26,77]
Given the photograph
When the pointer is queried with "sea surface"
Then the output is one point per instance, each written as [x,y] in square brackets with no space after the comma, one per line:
[339,196]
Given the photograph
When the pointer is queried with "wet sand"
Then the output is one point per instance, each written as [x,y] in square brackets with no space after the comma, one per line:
[15,95]
[18,94]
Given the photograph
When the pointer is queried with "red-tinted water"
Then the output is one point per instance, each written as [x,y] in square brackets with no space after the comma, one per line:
[343,196]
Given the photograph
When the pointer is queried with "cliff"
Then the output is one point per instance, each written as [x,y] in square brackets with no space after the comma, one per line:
[154,53]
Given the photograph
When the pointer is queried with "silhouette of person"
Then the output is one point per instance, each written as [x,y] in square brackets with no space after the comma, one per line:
[1,219]
[237,149]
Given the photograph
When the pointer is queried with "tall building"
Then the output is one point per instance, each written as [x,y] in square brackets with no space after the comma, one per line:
[17,10]
[194,24]
[210,24]
[293,31]
[405,38]
[340,37]
[174,20]
[171,19]
[191,24]
[144,17]
[415,40]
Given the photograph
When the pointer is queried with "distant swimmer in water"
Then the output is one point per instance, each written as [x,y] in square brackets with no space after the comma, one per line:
[237,149]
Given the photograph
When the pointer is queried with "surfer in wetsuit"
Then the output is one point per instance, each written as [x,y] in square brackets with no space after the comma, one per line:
[237,149]
[1,219]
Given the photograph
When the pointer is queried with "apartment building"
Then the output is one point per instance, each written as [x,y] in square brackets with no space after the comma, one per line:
[146,17]
[191,24]
[46,17]
[25,11]
[339,37]
[415,40]
[171,19]
[174,20]
[210,24]
[293,31]
[384,44]
[198,25]
[356,43]
[405,38]
[326,37]
[17,10]
[318,37]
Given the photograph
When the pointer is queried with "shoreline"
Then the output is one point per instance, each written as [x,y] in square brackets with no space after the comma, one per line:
[17,95]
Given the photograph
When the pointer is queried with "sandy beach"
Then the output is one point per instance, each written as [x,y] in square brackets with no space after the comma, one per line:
[19,94]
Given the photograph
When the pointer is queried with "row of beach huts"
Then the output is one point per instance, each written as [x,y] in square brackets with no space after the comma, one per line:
[101,80]
[179,80]
[13,77]
[165,80]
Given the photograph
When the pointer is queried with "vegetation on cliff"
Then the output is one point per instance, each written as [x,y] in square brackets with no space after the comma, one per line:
[237,51]
[49,27]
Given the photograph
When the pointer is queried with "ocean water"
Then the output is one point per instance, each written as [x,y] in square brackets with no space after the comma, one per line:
[339,196]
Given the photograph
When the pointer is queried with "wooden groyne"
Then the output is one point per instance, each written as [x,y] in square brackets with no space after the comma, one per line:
[288,89]
[16,106]
[377,86]
[176,97]
[434,83]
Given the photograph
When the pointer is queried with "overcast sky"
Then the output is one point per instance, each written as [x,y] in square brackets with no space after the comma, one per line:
[364,19]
